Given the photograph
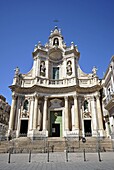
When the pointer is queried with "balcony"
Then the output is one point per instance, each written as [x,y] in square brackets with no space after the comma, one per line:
[49,82]
[109,101]
[88,82]
[59,82]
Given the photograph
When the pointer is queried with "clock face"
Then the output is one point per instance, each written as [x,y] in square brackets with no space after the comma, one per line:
[55,54]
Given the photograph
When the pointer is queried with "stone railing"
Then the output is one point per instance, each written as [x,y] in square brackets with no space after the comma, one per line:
[108,98]
[88,82]
[59,82]
[49,82]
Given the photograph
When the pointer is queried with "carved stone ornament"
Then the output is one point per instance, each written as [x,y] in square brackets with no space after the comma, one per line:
[56,103]
[25,114]
[87,115]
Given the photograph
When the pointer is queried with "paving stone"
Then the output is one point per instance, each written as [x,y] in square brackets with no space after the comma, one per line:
[57,161]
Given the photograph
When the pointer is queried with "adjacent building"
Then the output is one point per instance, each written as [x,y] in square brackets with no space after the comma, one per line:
[108,98]
[4,116]
[56,98]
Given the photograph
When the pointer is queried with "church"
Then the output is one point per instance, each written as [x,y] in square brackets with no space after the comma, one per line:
[56,98]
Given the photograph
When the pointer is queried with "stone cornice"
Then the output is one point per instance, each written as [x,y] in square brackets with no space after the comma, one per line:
[88,89]
[72,51]
[50,90]
[40,89]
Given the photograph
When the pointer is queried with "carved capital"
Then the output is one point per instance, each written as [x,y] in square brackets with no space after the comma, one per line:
[75,97]
[93,98]
[66,98]
[45,98]
[32,98]
[14,96]
[36,95]
[97,97]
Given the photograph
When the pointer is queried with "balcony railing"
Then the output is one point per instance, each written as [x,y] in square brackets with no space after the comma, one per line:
[88,82]
[49,82]
[108,100]
[58,82]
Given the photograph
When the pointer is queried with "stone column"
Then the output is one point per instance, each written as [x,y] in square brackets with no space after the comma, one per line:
[39,118]
[107,129]
[66,123]
[76,114]
[12,113]
[99,116]
[35,112]
[94,116]
[17,112]
[73,120]
[31,114]
[45,114]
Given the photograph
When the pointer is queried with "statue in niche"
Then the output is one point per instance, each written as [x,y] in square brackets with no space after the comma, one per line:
[69,68]
[42,68]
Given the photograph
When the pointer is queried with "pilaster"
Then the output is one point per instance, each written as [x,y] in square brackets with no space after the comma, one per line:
[76,114]
[35,112]
[94,117]
[31,114]
[99,116]
[12,113]
[45,114]
[66,114]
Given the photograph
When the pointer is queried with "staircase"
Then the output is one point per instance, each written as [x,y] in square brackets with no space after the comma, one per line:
[54,144]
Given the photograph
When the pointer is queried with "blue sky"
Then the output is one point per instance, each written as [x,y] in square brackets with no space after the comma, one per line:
[88,23]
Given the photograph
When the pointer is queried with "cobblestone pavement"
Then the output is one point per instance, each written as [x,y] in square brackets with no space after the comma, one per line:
[57,161]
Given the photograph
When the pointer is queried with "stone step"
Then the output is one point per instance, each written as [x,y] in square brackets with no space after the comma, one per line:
[55,144]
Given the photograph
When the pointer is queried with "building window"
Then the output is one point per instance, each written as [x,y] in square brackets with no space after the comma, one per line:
[25,106]
[56,73]
[56,41]
[85,105]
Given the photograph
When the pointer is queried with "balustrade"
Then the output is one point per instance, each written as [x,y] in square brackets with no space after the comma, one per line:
[51,82]
[58,82]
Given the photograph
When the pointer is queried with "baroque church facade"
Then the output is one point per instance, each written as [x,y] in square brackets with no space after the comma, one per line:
[56,98]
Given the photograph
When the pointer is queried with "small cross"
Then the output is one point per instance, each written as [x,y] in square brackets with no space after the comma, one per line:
[55,20]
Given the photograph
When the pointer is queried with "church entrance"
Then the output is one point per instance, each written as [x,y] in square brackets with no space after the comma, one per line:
[55,123]
[24,128]
[87,127]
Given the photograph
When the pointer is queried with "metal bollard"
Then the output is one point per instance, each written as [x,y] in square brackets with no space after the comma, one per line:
[84,156]
[99,155]
[48,153]
[9,157]
[29,155]
[66,155]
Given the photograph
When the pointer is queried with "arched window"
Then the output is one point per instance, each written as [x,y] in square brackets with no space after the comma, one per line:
[56,41]
[85,105]
[25,106]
